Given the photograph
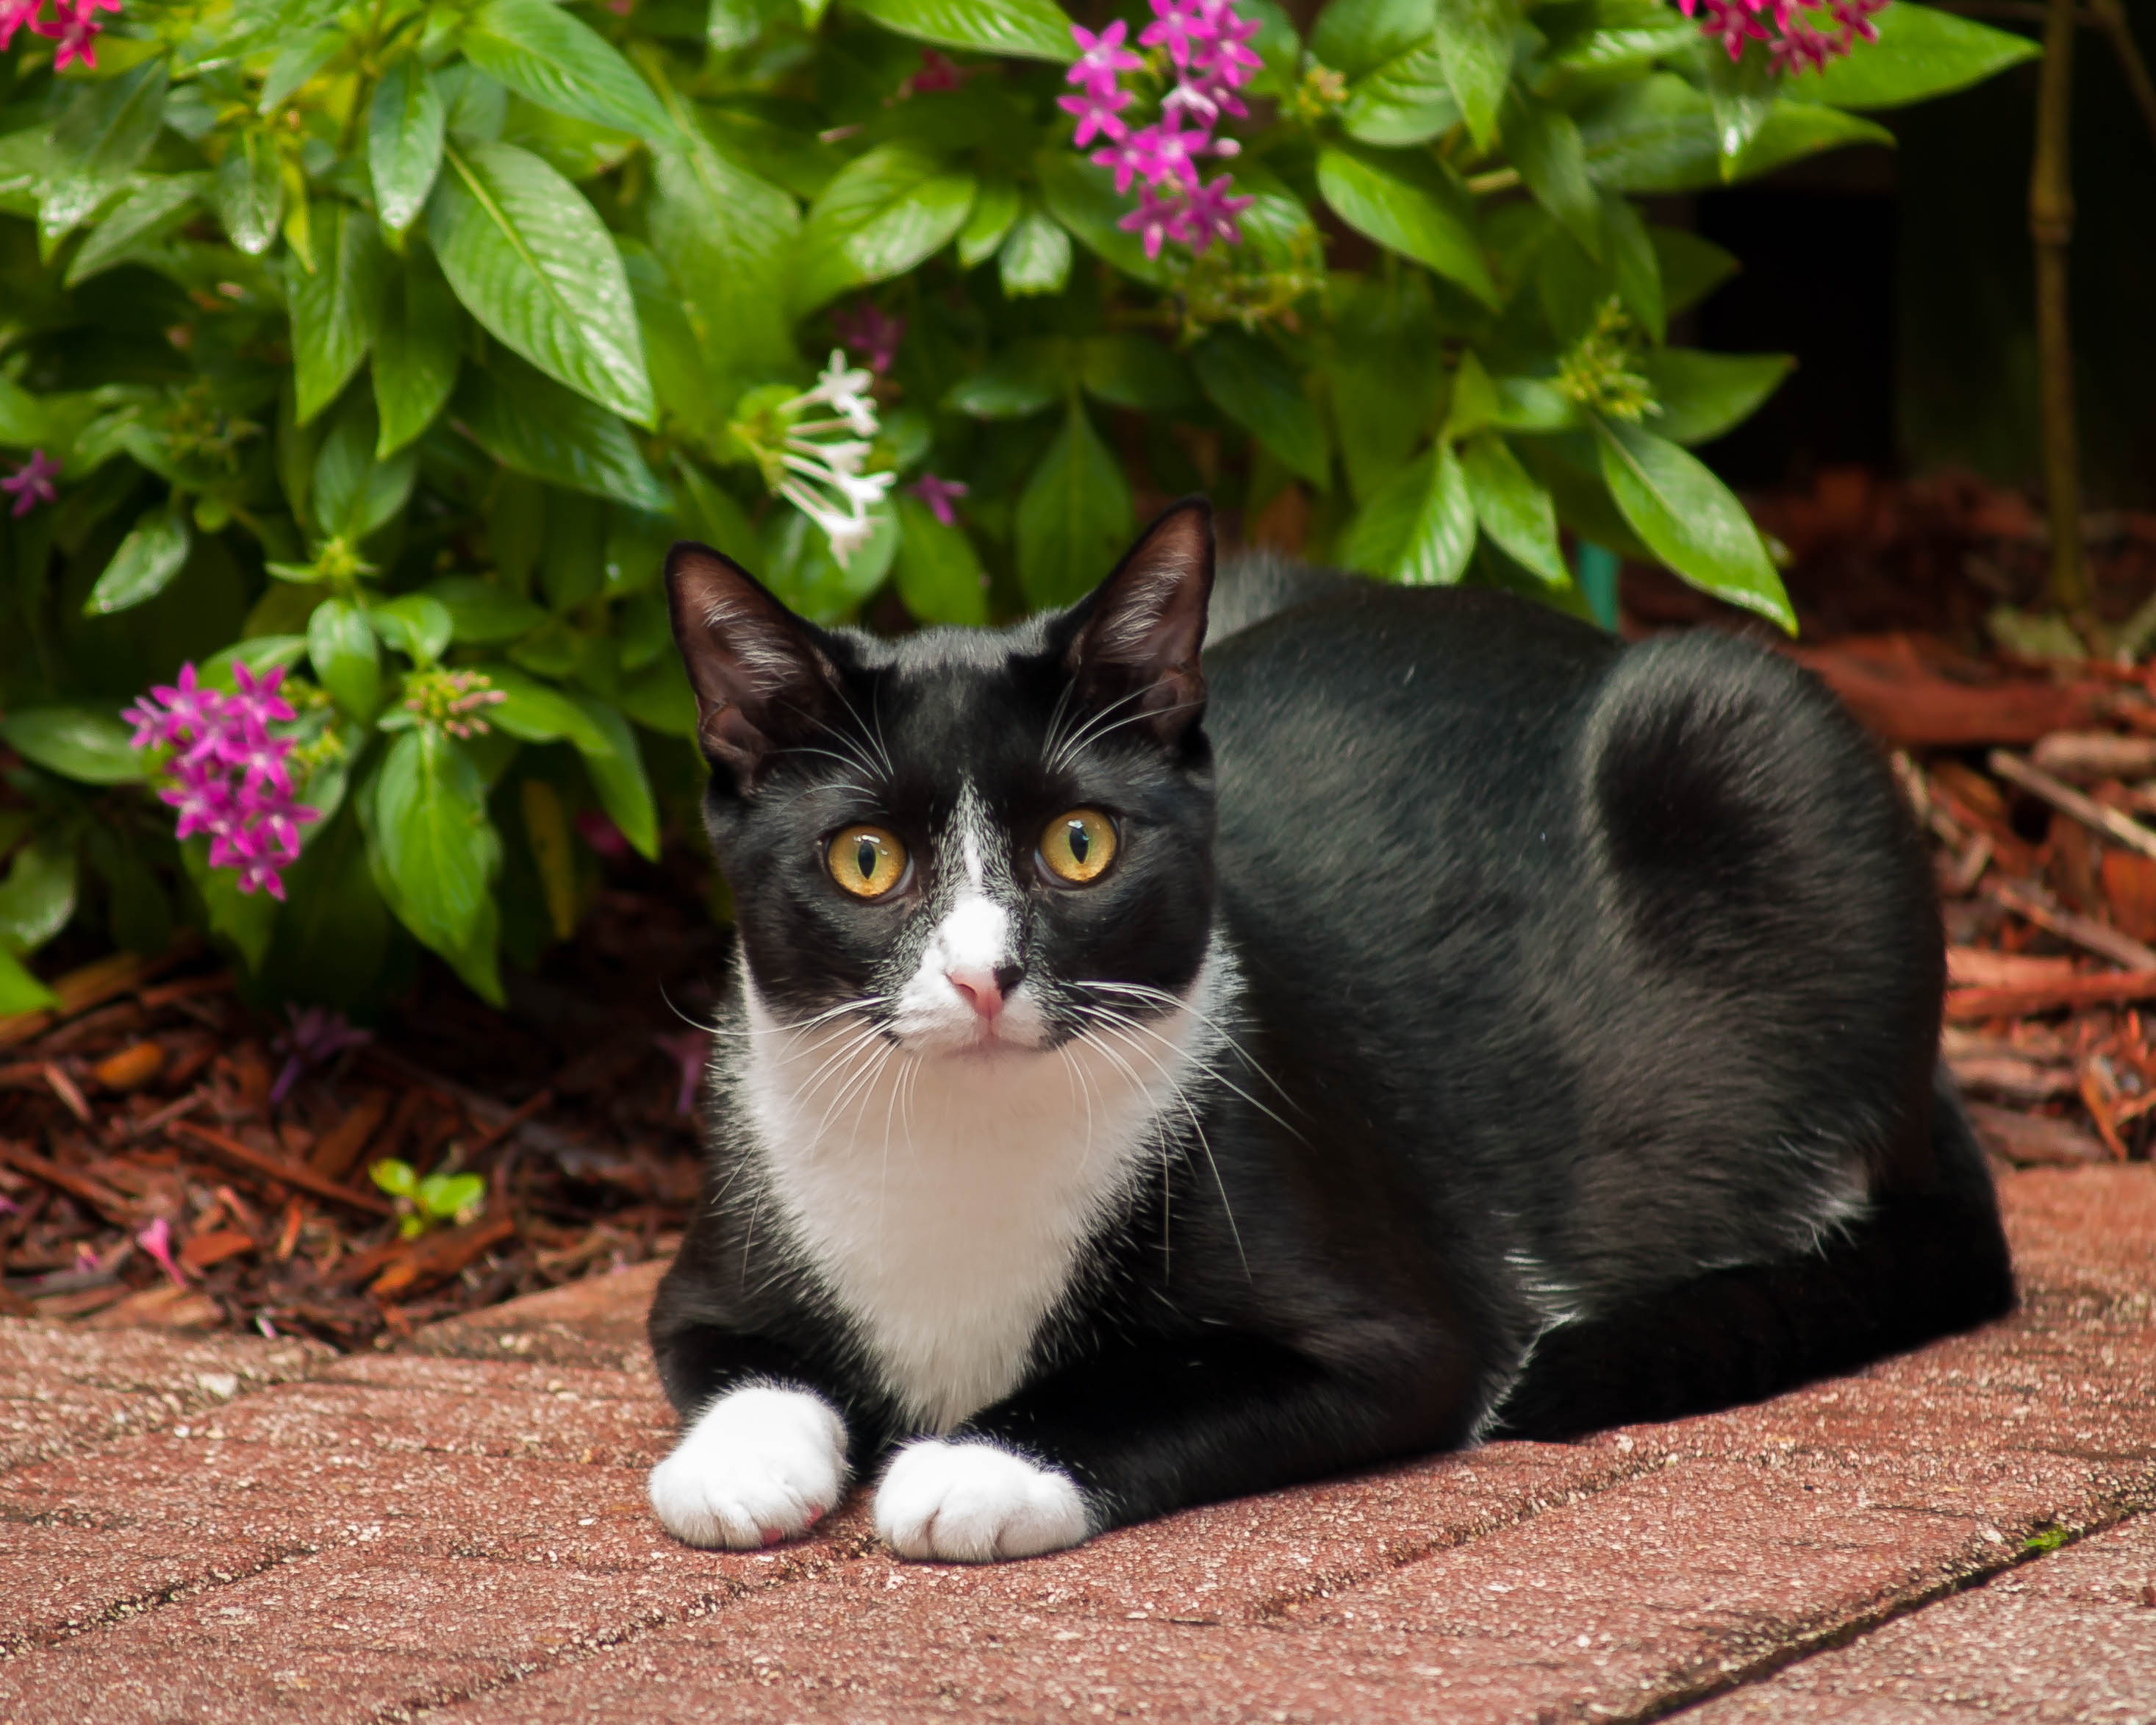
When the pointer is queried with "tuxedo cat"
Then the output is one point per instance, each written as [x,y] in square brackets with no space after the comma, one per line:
[1148,1078]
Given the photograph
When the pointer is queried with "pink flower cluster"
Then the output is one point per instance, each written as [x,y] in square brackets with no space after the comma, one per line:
[1791,29]
[72,25]
[233,780]
[32,483]
[1208,44]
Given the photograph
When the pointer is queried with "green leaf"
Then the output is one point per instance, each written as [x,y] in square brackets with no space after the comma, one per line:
[730,24]
[1475,40]
[1741,93]
[436,846]
[156,206]
[154,551]
[414,623]
[797,564]
[1073,516]
[1406,101]
[530,423]
[1638,266]
[483,613]
[444,1196]
[1018,30]
[1921,52]
[1412,205]
[1082,197]
[249,193]
[1512,506]
[106,130]
[400,1180]
[727,238]
[1249,381]
[1691,268]
[937,571]
[884,213]
[416,353]
[1357,36]
[337,311]
[1690,520]
[1657,134]
[19,991]
[996,206]
[1036,257]
[708,512]
[1020,380]
[1134,372]
[531,259]
[546,55]
[1543,143]
[1386,373]
[1418,529]
[298,58]
[37,898]
[77,743]
[353,493]
[1795,130]
[615,764]
[406,125]
[1703,395]
[347,663]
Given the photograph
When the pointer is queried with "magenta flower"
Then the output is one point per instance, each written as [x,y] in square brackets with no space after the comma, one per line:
[231,777]
[1182,27]
[32,483]
[1096,114]
[1102,59]
[157,1240]
[13,15]
[75,27]
[937,72]
[1795,42]
[938,495]
[871,332]
[601,834]
[1209,214]
[1156,218]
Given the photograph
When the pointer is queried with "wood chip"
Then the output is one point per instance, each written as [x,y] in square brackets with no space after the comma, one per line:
[2114,989]
[203,1250]
[2089,756]
[2018,1080]
[2089,933]
[103,1200]
[1985,967]
[2122,829]
[338,1150]
[131,1068]
[295,1174]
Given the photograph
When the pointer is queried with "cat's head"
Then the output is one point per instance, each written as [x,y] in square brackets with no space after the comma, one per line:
[978,840]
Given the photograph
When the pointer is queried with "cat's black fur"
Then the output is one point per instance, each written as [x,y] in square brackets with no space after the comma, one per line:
[1589,1014]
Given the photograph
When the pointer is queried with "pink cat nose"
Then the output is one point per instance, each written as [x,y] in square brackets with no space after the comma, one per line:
[985,989]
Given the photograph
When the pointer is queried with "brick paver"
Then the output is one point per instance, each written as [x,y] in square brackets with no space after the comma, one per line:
[221,1530]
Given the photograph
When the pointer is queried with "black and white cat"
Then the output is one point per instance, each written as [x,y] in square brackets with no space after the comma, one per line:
[1146,1080]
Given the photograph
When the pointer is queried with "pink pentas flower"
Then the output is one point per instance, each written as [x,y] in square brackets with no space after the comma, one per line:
[1169,152]
[1102,59]
[869,332]
[75,34]
[1097,115]
[1156,218]
[32,483]
[939,495]
[316,1035]
[1209,214]
[937,72]
[13,15]
[1183,28]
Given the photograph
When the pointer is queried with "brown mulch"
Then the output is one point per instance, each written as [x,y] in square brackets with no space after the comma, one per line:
[153,1091]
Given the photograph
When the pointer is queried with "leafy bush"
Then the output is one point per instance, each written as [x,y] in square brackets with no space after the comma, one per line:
[386,345]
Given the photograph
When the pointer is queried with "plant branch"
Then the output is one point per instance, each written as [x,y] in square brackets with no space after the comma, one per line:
[2111,19]
[2051,230]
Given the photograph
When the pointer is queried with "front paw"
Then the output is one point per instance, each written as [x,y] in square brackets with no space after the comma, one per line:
[759,1466]
[970,1502]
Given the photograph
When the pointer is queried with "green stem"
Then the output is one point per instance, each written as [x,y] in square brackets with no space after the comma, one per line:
[2051,228]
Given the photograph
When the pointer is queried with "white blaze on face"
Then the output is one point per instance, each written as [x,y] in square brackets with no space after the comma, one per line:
[975,935]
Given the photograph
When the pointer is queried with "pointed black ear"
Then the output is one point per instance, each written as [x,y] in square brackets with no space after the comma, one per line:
[761,681]
[1140,631]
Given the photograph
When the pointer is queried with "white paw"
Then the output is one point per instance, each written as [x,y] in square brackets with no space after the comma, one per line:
[759,1466]
[973,1503]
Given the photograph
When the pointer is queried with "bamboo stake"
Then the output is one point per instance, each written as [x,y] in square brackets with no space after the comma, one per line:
[2051,228]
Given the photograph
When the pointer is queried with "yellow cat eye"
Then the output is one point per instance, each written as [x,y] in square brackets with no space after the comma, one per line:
[866,861]
[1077,847]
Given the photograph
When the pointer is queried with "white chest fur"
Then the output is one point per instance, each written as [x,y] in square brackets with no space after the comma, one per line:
[943,1199]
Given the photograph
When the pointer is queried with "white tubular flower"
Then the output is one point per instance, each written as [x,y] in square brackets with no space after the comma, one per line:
[845,391]
[817,467]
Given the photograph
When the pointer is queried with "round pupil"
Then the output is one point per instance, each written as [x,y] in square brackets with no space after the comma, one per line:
[1080,840]
[865,858]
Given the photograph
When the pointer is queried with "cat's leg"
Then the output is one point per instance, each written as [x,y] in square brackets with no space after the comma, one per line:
[762,1454]
[1138,1431]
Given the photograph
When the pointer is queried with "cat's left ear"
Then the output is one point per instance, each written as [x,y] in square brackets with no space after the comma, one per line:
[1140,631]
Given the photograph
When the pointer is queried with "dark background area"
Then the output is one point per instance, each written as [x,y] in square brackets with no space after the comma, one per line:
[1902,279]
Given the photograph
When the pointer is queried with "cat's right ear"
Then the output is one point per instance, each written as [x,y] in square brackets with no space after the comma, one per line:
[761,681]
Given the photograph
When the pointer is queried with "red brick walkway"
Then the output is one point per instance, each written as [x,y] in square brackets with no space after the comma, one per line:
[218,1530]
